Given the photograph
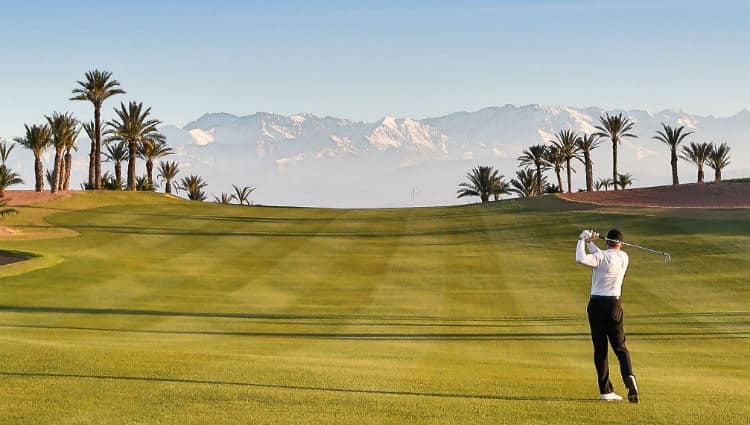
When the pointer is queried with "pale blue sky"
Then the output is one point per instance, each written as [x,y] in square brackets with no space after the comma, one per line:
[363,60]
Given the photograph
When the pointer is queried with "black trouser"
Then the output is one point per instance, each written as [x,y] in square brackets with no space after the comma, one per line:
[605,319]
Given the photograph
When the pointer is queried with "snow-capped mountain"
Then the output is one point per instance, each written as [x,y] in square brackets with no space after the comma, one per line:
[305,159]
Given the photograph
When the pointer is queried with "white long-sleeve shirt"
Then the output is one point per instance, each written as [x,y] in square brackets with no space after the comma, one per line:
[609,268]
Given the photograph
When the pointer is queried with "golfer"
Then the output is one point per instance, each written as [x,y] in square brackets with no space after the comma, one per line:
[604,309]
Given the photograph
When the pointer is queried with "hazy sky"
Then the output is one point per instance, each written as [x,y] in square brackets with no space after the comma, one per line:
[363,60]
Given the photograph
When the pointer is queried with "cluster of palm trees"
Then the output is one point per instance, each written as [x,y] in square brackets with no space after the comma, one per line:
[132,135]
[241,195]
[567,146]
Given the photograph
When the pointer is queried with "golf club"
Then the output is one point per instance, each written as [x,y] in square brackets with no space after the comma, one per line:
[667,257]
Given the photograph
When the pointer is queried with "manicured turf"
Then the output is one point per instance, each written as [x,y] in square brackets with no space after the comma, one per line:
[145,309]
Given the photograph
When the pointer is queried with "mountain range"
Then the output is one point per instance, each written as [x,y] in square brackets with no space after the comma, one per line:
[308,160]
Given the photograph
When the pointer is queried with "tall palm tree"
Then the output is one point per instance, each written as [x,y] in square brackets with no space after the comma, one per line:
[526,183]
[117,152]
[586,144]
[97,87]
[501,187]
[242,194]
[565,141]
[134,127]
[698,154]
[8,178]
[64,133]
[556,160]
[37,139]
[624,180]
[194,186]
[718,159]
[672,137]
[5,150]
[152,148]
[167,171]
[535,156]
[482,181]
[615,127]
[90,129]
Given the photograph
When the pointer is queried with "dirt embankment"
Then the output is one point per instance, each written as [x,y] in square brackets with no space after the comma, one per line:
[692,195]
[17,198]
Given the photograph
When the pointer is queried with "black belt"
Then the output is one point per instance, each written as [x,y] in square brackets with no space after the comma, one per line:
[604,297]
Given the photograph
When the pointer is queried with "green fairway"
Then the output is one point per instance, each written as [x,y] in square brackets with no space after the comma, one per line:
[140,308]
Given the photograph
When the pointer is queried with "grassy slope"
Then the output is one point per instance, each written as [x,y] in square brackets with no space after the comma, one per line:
[173,312]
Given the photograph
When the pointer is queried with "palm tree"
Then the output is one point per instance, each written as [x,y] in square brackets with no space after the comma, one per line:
[110,182]
[615,127]
[482,181]
[535,155]
[96,89]
[672,137]
[134,128]
[526,183]
[718,159]
[154,147]
[242,194]
[64,132]
[67,161]
[624,180]
[37,139]
[603,183]
[556,160]
[565,142]
[168,171]
[117,152]
[90,129]
[225,198]
[194,186]
[501,187]
[698,154]
[5,150]
[586,144]
[143,185]
[7,178]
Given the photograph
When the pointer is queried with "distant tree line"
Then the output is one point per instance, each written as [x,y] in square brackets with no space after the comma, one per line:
[568,146]
[133,135]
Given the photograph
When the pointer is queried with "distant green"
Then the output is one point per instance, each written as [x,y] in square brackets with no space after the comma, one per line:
[140,308]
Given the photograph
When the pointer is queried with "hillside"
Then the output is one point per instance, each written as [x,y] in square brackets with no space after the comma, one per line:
[709,195]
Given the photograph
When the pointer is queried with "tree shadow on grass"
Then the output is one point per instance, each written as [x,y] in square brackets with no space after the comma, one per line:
[498,397]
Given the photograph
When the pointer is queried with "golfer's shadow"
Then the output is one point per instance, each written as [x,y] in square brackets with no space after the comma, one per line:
[498,397]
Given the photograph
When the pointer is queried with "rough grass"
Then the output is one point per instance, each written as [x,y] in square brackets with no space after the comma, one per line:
[166,311]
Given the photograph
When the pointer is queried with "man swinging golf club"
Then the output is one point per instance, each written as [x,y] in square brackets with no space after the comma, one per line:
[605,311]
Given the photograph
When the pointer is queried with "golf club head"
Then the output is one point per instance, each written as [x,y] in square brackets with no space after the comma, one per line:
[667,258]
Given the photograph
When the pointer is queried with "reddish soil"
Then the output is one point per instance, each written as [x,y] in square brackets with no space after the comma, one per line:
[693,195]
[17,198]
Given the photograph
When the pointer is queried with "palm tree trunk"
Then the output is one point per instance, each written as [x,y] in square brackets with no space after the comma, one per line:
[61,177]
[98,150]
[569,183]
[150,171]
[717,174]
[68,165]
[559,180]
[589,171]
[673,162]
[56,171]
[539,188]
[700,173]
[118,174]
[92,166]
[38,174]
[168,187]
[614,163]
[133,152]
